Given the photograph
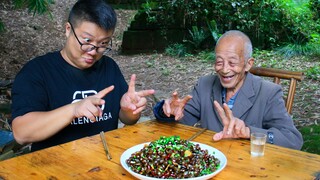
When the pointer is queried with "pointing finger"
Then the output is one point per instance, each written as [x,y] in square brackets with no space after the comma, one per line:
[145,92]
[132,84]
[138,110]
[186,99]
[166,108]
[221,113]
[104,92]
[229,115]
[175,95]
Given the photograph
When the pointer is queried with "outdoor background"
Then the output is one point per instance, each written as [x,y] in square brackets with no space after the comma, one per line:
[26,36]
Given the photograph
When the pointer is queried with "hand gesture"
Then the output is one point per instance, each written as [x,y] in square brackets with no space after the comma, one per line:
[175,106]
[233,127]
[134,101]
[90,106]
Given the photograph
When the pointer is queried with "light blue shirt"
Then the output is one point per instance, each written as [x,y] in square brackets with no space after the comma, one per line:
[230,103]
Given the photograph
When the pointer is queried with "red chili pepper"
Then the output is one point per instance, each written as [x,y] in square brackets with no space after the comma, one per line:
[153,173]
[168,156]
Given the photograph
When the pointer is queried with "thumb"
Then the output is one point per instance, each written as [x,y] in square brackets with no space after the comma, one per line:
[218,136]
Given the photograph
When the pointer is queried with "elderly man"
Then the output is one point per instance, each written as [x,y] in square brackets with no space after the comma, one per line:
[234,102]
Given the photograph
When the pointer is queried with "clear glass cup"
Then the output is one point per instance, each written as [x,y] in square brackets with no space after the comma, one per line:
[258,143]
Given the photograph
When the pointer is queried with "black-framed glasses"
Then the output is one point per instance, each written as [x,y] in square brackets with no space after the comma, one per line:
[90,47]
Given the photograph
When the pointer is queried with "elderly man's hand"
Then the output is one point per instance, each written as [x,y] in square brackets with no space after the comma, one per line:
[233,127]
[175,106]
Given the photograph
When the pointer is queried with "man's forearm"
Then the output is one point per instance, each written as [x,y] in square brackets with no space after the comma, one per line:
[38,126]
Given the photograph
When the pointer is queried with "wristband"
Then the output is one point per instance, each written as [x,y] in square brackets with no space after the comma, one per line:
[270,137]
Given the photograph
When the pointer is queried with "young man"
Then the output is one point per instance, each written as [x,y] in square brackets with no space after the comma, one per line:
[234,102]
[78,91]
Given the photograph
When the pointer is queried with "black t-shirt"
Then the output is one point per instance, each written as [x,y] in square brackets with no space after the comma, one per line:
[49,82]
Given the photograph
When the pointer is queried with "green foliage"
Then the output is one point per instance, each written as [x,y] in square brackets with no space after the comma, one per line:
[313,73]
[177,50]
[165,71]
[35,6]
[147,8]
[266,58]
[2,29]
[311,136]
[269,23]
[197,37]
[150,63]
[212,25]
[314,6]
[315,38]
[179,12]
[307,49]
[300,15]
[202,38]
[207,56]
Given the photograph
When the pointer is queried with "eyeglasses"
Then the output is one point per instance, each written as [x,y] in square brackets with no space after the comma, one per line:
[90,47]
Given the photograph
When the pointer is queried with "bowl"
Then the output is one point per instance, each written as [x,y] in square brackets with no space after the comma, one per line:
[211,150]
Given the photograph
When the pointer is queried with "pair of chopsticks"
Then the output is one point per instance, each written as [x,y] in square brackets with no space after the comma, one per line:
[105,145]
[197,134]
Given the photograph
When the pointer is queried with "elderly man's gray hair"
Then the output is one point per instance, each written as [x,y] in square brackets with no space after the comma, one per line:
[247,42]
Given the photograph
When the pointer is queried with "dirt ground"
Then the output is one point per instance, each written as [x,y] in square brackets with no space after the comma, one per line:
[28,36]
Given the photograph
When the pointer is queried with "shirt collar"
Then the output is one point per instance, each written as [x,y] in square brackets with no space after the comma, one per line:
[230,103]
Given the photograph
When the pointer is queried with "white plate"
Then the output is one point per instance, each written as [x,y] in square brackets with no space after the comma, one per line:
[217,154]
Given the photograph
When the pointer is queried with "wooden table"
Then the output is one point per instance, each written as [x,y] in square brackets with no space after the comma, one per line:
[86,159]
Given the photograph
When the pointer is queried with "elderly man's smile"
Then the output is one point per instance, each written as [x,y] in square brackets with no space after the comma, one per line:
[226,78]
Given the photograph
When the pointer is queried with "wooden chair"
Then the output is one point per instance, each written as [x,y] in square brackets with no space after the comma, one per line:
[277,75]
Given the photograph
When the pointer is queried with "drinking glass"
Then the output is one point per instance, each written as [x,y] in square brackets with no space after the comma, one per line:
[258,143]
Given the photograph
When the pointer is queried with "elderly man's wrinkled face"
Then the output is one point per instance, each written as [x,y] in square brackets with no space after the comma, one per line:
[230,63]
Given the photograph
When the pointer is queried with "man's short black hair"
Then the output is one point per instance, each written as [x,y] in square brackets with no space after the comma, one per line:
[95,11]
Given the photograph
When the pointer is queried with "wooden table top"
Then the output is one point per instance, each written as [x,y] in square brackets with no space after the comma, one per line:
[86,159]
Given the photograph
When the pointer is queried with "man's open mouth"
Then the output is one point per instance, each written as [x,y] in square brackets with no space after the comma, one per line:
[227,77]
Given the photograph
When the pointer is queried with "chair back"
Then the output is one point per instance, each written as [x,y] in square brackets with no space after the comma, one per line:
[277,75]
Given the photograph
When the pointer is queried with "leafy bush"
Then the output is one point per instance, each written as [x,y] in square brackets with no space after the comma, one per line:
[269,23]
[313,73]
[35,6]
[207,56]
[178,50]
[311,136]
[291,50]
[197,37]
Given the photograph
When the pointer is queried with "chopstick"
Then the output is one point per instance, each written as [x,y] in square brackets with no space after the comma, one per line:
[105,145]
[197,134]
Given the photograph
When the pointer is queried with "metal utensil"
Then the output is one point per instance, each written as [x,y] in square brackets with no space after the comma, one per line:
[105,145]
[197,134]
